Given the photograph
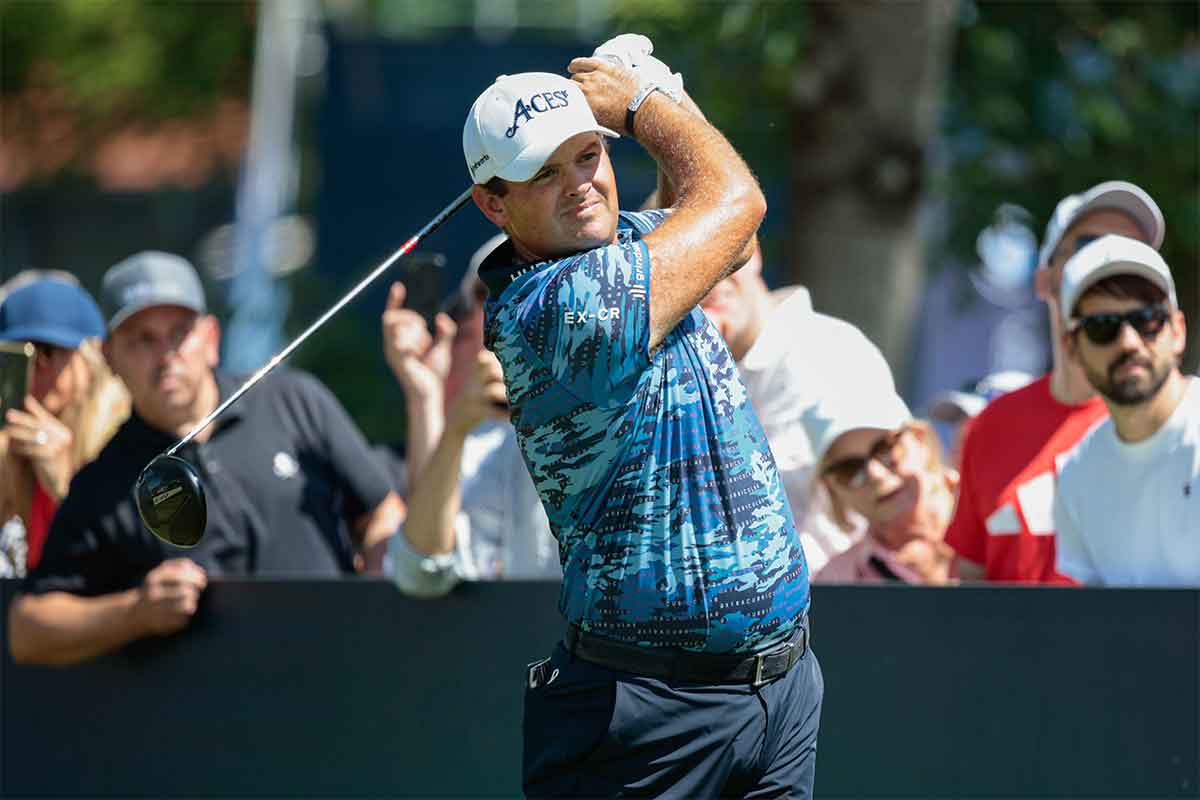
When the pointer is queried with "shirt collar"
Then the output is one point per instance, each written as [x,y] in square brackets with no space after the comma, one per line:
[227,384]
[501,267]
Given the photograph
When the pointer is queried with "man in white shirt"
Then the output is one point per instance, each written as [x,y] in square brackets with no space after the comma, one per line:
[1128,505]
[473,512]
[783,348]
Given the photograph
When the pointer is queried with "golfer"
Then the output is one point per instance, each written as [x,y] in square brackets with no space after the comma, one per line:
[684,668]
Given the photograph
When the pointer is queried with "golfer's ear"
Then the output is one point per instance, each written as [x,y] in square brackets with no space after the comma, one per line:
[492,205]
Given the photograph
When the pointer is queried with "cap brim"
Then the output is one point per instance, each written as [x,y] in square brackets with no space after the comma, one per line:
[531,159]
[128,311]
[46,334]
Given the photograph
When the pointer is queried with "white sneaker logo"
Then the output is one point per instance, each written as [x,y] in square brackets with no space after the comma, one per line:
[285,466]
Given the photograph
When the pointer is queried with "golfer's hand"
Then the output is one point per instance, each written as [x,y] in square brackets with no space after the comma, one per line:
[633,50]
[608,87]
[482,396]
[169,594]
[419,361]
[38,436]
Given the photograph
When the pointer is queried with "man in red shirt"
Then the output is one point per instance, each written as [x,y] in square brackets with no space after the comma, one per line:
[1003,527]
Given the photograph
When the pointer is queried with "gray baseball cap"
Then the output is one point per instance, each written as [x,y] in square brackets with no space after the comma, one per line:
[1116,195]
[150,278]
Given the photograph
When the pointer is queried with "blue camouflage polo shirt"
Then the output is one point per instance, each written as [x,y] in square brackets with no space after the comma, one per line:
[673,526]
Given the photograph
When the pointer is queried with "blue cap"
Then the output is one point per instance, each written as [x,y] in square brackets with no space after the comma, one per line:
[51,312]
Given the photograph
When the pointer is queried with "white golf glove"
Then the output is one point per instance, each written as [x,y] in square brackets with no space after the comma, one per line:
[632,51]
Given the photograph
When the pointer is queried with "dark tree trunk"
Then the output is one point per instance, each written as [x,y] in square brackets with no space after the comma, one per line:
[866,99]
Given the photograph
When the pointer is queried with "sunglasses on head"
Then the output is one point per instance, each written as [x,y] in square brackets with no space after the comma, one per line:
[1102,329]
[851,472]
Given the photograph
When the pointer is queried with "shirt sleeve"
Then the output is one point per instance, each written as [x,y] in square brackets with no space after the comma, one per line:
[418,574]
[359,469]
[1071,555]
[588,322]
[967,533]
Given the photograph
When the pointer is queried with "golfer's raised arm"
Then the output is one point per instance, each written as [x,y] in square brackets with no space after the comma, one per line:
[719,204]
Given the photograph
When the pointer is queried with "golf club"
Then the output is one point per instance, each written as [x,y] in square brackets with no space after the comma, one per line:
[169,492]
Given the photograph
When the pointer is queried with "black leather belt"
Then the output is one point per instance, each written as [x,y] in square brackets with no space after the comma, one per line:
[670,663]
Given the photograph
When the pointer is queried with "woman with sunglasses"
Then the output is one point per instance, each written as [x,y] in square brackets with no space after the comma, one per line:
[73,406]
[878,463]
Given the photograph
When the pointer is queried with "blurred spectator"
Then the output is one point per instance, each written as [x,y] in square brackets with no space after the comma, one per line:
[1003,527]
[951,411]
[782,348]
[288,478]
[876,461]
[474,513]
[983,319]
[1128,510]
[73,407]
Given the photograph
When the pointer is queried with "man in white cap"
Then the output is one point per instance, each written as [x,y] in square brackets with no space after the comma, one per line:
[685,589]
[1128,507]
[1003,526]
[473,511]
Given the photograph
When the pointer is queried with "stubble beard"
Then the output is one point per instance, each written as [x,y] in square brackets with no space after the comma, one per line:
[1130,391]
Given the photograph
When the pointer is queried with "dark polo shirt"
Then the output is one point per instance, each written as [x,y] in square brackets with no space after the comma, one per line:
[285,473]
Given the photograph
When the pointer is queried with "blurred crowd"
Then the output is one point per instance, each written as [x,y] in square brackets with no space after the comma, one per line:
[1084,475]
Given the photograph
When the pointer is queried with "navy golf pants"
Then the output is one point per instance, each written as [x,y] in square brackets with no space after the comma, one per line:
[595,732]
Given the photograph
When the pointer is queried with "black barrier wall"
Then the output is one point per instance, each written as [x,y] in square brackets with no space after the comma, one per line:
[349,689]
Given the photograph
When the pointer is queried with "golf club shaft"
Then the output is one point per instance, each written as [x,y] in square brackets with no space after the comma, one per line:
[406,248]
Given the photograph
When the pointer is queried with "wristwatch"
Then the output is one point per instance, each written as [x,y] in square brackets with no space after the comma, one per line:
[636,103]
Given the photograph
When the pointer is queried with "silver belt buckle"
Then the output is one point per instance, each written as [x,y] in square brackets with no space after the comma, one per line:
[758,670]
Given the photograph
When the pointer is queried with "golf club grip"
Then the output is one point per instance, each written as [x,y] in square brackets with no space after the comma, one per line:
[405,248]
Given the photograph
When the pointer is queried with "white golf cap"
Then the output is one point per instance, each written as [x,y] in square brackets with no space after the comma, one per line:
[1113,255]
[519,121]
[1116,195]
[861,396]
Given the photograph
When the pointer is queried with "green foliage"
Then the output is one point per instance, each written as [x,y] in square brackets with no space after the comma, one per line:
[739,60]
[1049,99]
[140,59]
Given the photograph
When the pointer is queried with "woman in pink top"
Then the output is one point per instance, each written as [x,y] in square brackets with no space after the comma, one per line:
[877,462]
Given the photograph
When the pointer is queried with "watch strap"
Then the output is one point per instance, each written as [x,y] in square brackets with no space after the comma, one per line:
[636,103]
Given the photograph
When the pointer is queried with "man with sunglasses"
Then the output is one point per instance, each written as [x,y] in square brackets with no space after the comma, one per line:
[1003,527]
[1128,505]
[474,513]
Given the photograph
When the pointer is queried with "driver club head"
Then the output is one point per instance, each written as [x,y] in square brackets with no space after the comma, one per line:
[170,501]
